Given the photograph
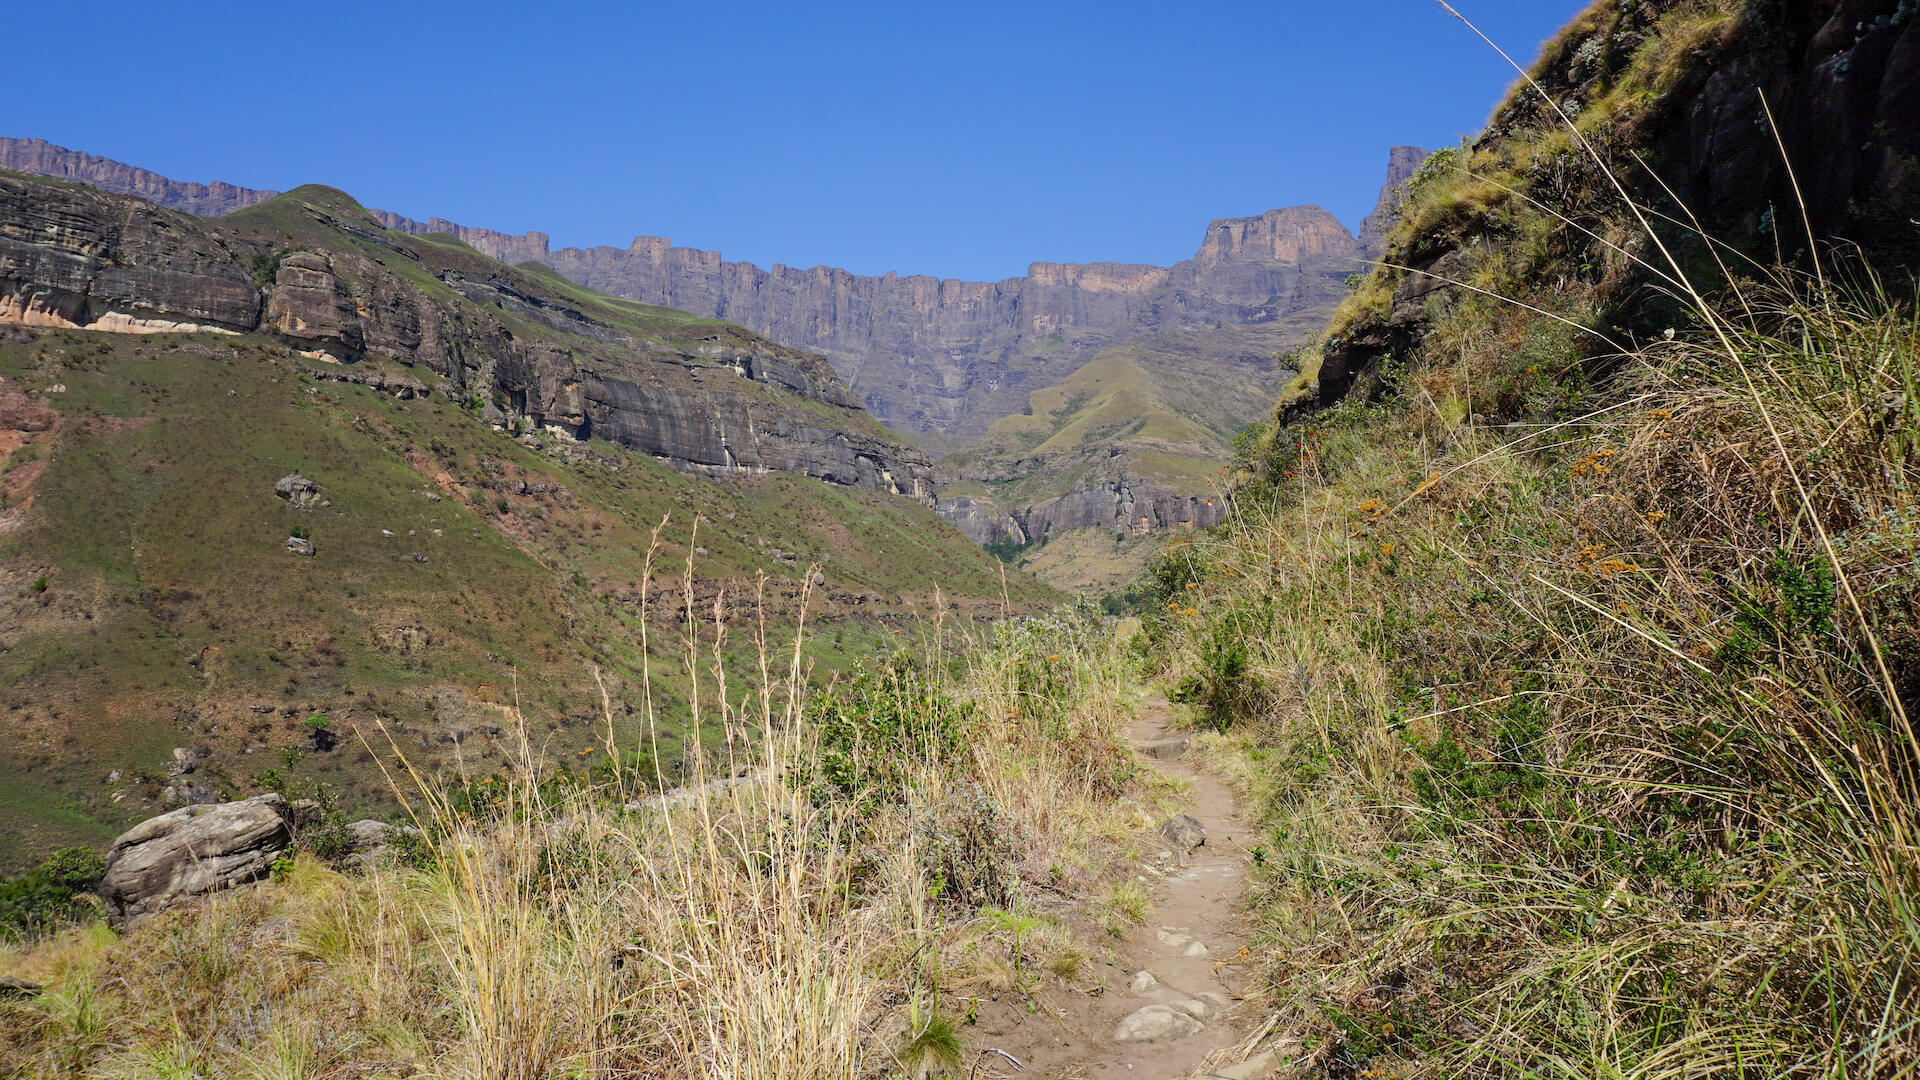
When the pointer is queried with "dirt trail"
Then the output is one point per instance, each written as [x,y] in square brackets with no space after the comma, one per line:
[1190,1007]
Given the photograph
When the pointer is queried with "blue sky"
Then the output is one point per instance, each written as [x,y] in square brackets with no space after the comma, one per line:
[956,140]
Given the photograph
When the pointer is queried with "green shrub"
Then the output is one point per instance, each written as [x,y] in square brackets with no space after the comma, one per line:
[51,894]
[874,725]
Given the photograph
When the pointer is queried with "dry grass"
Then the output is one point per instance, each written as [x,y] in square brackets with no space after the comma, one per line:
[1586,746]
[760,926]
[1585,712]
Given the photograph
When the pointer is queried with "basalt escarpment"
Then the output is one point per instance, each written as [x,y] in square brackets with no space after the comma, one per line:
[43,158]
[948,356]
[926,355]
[316,271]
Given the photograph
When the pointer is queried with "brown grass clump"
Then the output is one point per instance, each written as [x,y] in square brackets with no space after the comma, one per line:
[1587,744]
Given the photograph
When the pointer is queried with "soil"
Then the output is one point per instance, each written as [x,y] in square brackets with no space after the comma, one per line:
[1073,1035]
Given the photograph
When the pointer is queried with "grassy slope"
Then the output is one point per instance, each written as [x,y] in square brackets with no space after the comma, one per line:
[171,607]
[834,918]
[1579,696]
[1164,411]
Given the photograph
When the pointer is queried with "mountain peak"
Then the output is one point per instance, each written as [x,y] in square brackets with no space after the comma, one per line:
[1292,234]
[1402,163]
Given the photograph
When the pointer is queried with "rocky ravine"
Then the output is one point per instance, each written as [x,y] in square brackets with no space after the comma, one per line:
[315,270]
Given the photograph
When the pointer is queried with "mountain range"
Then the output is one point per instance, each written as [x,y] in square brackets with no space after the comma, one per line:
[1080,398]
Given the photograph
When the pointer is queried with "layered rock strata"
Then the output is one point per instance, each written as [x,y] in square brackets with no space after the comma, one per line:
[322,275]
[924,354]
[1127,506]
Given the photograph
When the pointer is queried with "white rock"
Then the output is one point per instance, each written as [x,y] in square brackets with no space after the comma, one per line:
[1194,949]
[1155,1022]
[1143,983]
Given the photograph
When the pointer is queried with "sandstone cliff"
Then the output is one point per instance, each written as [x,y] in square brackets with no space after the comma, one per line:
[314,269]
[931,356]
[1402,163]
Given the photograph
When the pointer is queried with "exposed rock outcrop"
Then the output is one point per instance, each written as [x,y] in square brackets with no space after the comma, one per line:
[41,157]
[1841,79]
[193,851]
[71,257]
[700,396]
[1402,163]
[1128,506]
[951,356]
[981,520]
[924,354]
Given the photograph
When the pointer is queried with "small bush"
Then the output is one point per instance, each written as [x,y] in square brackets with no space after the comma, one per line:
[50,895]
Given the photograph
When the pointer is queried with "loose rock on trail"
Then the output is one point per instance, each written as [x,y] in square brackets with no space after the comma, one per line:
[1171,1007]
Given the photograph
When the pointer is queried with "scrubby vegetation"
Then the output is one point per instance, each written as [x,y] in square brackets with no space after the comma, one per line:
[1586,743]
[847,876]
[1570,660]
[1584,658]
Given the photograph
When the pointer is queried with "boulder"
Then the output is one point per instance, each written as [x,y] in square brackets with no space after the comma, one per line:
[300,546]
[1155,1022]
[373,840]
[299,492]
[1184,832]
[17,988]
[193,851]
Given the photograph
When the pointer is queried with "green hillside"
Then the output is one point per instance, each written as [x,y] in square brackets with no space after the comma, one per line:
[151,602]
[1159,414]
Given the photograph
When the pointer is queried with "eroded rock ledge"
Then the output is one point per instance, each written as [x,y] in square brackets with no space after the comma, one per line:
[321,275]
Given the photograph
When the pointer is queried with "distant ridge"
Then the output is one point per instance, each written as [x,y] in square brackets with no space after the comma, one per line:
[933,356]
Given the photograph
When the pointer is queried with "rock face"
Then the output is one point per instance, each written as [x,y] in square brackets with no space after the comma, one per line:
[323,276]
[1127,506]
[193,851]
[1402,163]
[73,257]
[923,354]
[1842,80]
[45,159]
[951,356]
[42,158]
[981,520]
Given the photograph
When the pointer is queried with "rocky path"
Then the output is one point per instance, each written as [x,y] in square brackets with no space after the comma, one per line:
[1172,1010]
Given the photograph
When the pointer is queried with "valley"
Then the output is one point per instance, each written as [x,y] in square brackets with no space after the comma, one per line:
[975,370]
[501,465]
[1482,645]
